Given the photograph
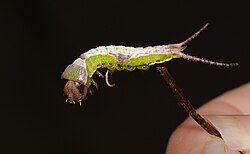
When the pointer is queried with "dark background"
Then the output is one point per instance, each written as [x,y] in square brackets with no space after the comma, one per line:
[40,38]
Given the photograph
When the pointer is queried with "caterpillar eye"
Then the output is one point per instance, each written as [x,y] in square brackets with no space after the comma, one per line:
[79,86]
[75,92]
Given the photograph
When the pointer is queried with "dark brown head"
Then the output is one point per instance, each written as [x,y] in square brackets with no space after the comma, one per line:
[75,91]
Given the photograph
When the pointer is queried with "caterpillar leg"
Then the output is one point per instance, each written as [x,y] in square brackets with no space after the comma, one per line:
[143,67]
[99,74]
[90,91]
[94,83]
[107,79]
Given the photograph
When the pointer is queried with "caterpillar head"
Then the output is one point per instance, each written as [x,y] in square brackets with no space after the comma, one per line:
[75,88]
[75,92]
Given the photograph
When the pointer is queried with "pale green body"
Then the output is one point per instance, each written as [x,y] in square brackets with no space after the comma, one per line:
[118,58]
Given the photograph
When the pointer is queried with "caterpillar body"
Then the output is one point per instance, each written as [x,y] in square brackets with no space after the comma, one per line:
[79,74]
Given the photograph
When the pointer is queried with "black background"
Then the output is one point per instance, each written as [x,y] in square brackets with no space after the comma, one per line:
[40,38]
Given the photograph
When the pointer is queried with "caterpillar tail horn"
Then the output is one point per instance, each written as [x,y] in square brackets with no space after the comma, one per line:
[188,57]
[193,36]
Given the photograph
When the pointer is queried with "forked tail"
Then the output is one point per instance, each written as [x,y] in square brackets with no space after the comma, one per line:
[185,56]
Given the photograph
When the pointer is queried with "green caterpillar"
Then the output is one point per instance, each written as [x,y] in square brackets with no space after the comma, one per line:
[79,74]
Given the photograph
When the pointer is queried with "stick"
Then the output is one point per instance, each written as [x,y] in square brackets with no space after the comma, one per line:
[183,100]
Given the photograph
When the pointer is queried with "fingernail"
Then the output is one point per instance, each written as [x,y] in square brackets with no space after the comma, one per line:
[234,130]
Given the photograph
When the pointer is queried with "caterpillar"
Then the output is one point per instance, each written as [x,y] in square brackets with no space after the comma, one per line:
[79,73]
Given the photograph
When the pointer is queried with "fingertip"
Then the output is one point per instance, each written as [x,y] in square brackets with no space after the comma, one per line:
[230,151]
[187,137]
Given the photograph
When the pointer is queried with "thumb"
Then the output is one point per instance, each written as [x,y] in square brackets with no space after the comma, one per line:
[190,138]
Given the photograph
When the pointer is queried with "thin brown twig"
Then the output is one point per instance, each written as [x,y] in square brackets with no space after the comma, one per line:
[184,101]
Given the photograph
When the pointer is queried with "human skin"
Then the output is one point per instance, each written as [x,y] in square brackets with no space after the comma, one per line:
[190,138]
